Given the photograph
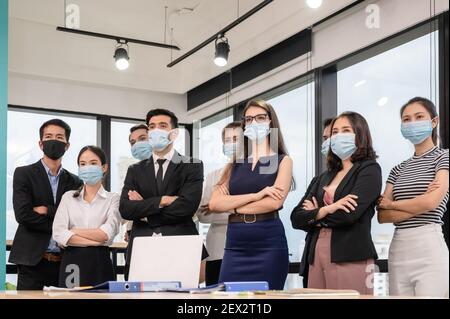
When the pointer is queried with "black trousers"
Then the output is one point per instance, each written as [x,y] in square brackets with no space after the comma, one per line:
[212,272]
[45,273]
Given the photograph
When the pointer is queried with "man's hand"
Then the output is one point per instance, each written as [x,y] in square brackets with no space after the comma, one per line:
[41,210]
[167,200]
[133,195]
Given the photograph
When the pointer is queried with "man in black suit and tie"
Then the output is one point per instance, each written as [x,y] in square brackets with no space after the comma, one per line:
[37,191]
[161,194]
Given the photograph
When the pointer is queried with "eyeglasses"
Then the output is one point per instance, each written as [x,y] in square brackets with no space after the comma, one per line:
[259,118]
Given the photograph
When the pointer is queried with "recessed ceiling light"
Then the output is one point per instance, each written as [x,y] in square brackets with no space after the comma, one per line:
[314,4]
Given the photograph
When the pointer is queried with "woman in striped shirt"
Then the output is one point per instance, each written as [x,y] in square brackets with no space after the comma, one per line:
[415,201]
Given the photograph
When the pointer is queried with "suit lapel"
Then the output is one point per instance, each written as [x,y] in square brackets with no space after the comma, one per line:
[326,180]
[345,180]
[61,183]
[44,177]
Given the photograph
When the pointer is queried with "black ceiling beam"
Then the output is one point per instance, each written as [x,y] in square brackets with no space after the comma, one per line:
[221,32]
[117,38]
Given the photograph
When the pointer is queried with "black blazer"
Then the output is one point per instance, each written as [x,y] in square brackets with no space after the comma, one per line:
[183,178]
[31,188]
[351,239]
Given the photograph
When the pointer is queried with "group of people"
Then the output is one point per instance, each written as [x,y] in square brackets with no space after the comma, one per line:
[67,222]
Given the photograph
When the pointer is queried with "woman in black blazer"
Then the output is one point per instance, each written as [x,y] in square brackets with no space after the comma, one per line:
[337,210]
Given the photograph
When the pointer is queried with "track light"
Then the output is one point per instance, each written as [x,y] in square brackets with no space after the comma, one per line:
[222,51]
[314,4]
[121,56]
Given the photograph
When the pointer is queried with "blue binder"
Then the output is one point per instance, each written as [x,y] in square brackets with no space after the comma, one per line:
[246,286]
[134,286]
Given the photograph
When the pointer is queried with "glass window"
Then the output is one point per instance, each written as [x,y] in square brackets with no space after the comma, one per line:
[377,88]
[295,111]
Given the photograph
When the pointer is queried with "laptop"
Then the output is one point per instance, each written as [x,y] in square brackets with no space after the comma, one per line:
[167,258]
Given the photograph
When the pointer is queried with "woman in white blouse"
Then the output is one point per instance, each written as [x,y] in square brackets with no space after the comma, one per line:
[85,224]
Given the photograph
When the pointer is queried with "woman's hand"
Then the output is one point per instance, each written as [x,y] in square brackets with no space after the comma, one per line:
[347,204]
[223,189]
[274,192]
[310,205]
[433,186]
[384,203]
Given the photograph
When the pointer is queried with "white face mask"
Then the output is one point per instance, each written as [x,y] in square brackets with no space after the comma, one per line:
[159,139]
[343,145]
[257,131]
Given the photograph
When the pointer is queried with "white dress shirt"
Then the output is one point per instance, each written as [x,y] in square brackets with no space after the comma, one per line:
[217,233]
[167,157]
[75,212]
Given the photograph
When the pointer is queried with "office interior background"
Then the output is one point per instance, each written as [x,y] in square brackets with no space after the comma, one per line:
[310,64]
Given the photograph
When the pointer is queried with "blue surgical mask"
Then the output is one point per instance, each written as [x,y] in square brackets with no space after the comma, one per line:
[257,131]
[90,174]
[141,150]
[325,147]
[159,139]
[343,145]
[229,149]
[417,132]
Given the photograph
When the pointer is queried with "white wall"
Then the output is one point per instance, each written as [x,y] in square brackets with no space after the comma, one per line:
[332,40]
[71,96]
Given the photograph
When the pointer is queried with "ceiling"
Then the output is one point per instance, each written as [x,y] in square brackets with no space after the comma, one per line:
[37,49]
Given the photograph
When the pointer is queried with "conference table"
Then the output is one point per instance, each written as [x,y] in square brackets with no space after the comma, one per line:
[176,295]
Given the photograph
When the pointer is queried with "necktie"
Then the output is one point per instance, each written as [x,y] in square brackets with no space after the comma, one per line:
[159,175]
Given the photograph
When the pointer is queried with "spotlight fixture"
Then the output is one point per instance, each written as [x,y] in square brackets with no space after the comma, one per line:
[314,4]
[222,51]
[121,56]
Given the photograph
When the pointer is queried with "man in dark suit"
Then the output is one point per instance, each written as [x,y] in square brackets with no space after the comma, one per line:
[37,191]
[161,194]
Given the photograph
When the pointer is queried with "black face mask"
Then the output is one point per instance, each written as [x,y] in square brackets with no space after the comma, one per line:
[54,149]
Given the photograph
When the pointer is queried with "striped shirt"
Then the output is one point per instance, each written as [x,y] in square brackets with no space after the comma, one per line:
[412,177]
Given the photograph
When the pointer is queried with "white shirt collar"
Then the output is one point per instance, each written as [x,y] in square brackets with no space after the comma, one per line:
[100,193]
[168,156]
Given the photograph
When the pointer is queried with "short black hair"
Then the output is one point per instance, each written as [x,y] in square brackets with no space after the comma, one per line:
[327,122]
[56,122]
[155,112]
[139,127]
